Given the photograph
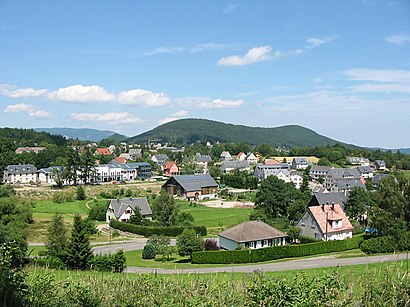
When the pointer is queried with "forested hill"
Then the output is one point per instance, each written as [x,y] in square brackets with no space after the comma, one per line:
[28,137]
[82,134]
[185,131]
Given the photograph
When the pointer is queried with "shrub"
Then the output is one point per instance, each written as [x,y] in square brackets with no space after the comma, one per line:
[148,231]
[211,245]
[148,252]
[276,252]
[50,262]
[386,244]
[63,197]
[81,193]
[98,212]
[109,263]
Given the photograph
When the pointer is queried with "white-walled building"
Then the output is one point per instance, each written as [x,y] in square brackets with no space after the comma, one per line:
[21,173]
[123,209]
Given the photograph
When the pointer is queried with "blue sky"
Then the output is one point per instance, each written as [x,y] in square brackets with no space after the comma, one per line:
[341,68]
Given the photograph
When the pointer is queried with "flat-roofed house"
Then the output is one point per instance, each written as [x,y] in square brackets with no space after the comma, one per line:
[253,235]
[192,186]
[122,209]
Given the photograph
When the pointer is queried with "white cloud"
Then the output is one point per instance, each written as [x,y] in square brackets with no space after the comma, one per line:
[191,49]
[230,8]
[382,88]
[29,109]
[167,120]
[81,94]
[166,50]
[14,92]
[143,97]
[180,113]
[398,39]
[389,76]
[208,103]
[115,118]
[254,55]
[314,42]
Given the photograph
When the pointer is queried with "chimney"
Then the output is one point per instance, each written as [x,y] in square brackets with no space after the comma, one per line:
[333,206]
[323,206]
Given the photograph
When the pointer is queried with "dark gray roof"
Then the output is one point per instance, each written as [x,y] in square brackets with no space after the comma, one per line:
[195,182]
[21,169]
[234,164]
[120,205]
[161,157]
[341,173]
[49,170]
[320,168]
[376,179]
[202,158]
[300,160]
[272,166]
[328,198]
[349,184]
[252,231]
[364,169]
[380,163]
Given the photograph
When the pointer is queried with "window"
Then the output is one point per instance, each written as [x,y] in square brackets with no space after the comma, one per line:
[303,222]
[314,224]
[265,242]
[317,236]
[251,244]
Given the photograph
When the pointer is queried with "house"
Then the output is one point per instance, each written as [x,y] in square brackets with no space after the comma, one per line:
[323,198]
[202,160]
[123,209]
[340,174]
[102,152]
[380,165]
[119,160]
[376,179]
[47,175]
[21,173]
[347,185]
[253,235]
[318,171]
[296,178]
[225,155]
[160,158]
[359,161]
[123,172]
[251,158]
[135,153]
[230,166]
[111,148]
[365,171]
[262,170]
[35,150]
[270,162]
[241,156]
[171,168]
[192,186]
[300,163]
[325,222]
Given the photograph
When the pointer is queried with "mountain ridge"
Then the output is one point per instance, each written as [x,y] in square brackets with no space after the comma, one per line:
[83,134]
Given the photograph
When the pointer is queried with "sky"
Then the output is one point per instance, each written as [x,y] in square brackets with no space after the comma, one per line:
[340,68]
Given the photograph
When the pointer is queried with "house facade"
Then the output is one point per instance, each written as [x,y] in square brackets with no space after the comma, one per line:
[47,175]
[21,173]
[171,168]
[192,187]
[230,166]
[122,209]
[318,171]
[252,235]
[300,163]
[264,170]
[326,223]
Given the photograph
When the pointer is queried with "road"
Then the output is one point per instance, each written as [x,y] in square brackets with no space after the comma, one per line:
[277,266]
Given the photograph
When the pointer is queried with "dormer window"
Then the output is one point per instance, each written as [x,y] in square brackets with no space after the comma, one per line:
[337,223]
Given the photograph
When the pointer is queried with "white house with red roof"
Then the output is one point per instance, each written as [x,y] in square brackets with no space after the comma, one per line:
[325,222]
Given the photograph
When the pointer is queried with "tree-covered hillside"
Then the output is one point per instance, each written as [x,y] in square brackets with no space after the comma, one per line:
[186,131]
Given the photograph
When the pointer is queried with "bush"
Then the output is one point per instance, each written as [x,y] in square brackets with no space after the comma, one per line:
[148,252]
[89,226]
[109,263]
[276,252]
[49,262]
[148,231]
[63,197]
[211,245]
[81,193]
[98,212]
[386,244]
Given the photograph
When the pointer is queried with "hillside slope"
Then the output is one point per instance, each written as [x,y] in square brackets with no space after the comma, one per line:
[192,130]
[83,134]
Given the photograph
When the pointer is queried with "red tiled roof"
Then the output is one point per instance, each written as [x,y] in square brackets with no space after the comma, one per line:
[103,151]
[326,214]
[169,164]
[270,162]
[121,160]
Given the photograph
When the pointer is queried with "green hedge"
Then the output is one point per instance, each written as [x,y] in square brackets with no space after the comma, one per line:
[386,244]
[275,252]
[109,263]
[147,231]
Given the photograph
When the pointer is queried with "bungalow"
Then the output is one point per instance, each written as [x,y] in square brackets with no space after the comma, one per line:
[253,235]
[325,222]
[123,209]
[230,166]
[192,186]
[171,168]
[21,173]
[47,175]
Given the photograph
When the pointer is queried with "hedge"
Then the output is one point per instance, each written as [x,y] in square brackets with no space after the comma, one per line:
[386,244]
[147,231]
[109,263]
[275,252]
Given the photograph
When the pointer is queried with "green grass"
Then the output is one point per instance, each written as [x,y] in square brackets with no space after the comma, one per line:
[216,219]
[406,173]
[44,208]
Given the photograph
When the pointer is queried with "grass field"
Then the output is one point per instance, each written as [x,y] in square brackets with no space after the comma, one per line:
[406,174]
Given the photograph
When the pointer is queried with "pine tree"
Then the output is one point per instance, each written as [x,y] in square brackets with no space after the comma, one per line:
[56,242]
[79,251]
[165,209]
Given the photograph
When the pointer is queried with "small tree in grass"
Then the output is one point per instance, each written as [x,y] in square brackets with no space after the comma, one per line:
[79,253]
[188,242]
[148,252]
[81,193]
[161,246]
[56,241]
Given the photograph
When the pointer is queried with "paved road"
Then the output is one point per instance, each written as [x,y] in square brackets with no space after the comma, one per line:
[277,266]
[138,243]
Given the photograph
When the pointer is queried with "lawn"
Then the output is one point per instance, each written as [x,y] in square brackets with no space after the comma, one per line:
[406,173]
[216,219]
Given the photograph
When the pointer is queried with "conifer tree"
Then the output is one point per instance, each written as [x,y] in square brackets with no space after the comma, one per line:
[79,253]
[56,241]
